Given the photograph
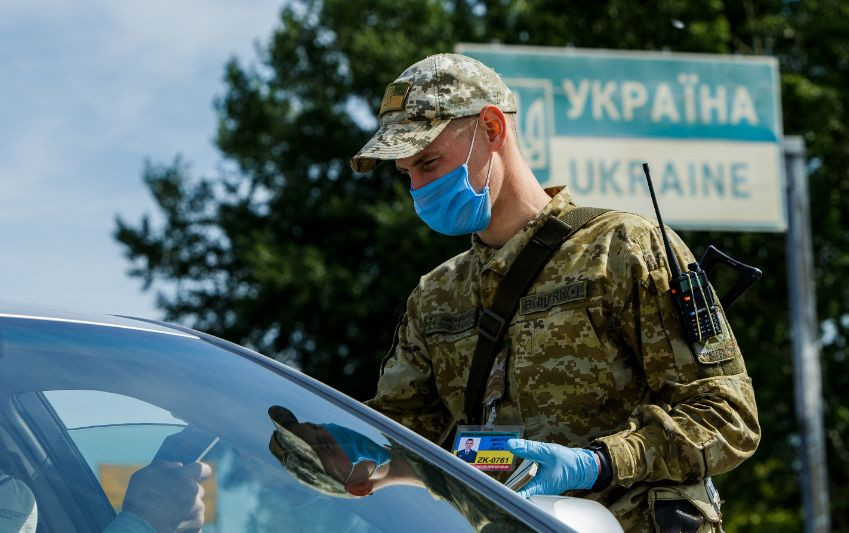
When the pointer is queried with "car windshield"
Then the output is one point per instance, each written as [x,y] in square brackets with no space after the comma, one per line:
[85,406]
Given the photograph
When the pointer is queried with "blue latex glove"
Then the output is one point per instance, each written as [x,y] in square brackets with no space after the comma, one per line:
[560,468]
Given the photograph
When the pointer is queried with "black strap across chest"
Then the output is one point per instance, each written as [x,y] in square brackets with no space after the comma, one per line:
[493,322]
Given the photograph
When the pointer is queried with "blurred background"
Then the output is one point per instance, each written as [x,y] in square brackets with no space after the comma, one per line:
[188,161]
[90,91]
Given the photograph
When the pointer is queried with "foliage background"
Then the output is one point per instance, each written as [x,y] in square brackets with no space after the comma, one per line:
[289,252]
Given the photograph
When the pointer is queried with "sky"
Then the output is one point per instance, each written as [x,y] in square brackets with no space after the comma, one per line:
[89,90]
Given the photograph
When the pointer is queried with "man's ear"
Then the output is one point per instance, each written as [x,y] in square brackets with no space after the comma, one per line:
[360,488]
[495,124]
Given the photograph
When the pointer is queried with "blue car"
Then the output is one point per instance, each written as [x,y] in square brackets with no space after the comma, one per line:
[122,424]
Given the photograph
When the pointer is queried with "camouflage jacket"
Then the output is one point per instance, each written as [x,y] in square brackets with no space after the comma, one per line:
[596,354]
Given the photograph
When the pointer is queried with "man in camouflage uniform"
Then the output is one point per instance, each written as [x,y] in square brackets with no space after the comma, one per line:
[597,360]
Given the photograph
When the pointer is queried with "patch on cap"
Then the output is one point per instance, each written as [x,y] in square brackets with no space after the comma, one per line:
[395,97]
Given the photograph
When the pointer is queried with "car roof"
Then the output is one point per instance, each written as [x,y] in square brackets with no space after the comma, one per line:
[36,312]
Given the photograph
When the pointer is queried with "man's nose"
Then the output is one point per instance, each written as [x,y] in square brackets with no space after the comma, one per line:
[417,181]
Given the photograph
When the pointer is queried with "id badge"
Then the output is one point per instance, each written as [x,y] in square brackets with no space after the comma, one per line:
[486,448]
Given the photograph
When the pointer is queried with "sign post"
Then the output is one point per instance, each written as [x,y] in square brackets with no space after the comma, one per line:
[806,345]
[711,126]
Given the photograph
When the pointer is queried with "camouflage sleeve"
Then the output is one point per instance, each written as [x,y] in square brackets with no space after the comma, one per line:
[406,390]
[699,418]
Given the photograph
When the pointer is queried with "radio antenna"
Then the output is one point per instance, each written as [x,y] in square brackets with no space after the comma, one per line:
[670,257]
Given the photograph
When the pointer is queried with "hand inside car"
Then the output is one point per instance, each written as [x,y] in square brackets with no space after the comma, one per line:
[168,496]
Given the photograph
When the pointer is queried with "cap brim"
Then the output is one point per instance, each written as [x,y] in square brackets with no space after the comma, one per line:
[397,141]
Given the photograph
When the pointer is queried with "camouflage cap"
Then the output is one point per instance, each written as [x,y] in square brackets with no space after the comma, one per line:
[298,457]
[421,102]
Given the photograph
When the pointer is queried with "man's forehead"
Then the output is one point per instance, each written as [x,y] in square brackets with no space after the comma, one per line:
[416,159]
[436,147]
[307,430]
[302,430]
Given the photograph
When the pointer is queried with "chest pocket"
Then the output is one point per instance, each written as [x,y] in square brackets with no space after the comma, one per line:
[451,352]
[569,377]
[451,339]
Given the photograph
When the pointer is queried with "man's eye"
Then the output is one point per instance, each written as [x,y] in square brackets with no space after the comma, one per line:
[429,164]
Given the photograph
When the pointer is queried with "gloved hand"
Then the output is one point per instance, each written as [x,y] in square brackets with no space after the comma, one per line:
[560,468]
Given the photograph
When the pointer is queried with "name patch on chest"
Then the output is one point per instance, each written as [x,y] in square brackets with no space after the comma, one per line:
[450,323]
[535,303]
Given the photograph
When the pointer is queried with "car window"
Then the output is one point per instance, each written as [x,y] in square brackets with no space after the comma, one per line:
[116,435]
[101,402]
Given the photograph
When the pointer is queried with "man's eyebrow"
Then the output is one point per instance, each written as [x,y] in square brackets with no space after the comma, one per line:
[416,163]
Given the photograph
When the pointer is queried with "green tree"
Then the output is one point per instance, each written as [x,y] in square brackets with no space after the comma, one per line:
[291,253]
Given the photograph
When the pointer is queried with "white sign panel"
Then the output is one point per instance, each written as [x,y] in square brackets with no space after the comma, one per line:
[709,127]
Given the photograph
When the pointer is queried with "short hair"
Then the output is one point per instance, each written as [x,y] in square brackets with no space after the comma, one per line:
[470,439]
[462,123]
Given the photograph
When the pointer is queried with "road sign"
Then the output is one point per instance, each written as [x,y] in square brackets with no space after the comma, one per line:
[709,126]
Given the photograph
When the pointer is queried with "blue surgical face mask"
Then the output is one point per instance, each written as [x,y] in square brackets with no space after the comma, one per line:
[450,205]
[358,447]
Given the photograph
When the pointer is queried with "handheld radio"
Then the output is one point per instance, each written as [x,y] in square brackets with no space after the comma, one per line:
[691,291]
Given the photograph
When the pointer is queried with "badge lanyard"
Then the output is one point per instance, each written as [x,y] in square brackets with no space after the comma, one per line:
[485,447]
[496,384]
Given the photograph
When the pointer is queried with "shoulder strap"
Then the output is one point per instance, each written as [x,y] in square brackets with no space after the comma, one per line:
[492,324]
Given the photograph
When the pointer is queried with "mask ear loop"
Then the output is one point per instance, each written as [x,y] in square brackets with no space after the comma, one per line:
[488,174]
[469,156]
[351,473]
[472,146]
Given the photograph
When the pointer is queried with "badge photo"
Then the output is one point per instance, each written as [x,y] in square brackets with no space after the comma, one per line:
[486,449]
